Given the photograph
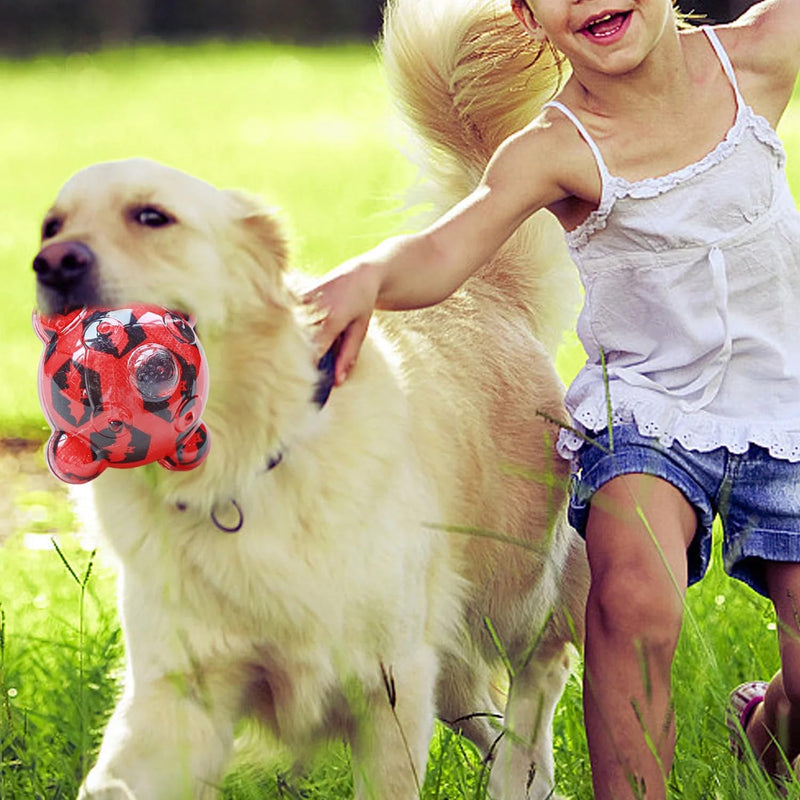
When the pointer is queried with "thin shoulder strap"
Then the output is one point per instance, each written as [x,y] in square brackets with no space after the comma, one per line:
[724,59]
[598,157]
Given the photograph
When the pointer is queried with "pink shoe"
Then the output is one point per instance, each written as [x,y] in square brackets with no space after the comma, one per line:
[742,703]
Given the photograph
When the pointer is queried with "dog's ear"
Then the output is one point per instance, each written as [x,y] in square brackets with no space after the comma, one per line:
[262,228]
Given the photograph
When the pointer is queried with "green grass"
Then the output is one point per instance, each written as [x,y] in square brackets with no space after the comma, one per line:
[60,655]
[308,130]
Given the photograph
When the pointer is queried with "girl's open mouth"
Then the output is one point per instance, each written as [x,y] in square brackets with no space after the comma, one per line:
[607,25]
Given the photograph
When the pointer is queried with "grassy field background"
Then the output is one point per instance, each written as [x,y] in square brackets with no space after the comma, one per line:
[308,130]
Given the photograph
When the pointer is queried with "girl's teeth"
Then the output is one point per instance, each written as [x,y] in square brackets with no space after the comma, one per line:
[605,25]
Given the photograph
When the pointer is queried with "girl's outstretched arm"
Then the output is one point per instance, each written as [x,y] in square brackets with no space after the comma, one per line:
[423,268]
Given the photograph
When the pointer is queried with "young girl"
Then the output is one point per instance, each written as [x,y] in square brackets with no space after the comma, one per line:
[660,160]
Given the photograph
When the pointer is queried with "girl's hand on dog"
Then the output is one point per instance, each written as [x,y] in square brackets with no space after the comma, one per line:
[343,304]
[401,273]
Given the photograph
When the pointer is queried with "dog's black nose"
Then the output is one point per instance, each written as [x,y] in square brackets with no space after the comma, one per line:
[62,264]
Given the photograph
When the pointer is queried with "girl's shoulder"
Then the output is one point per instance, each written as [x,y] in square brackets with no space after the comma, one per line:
[550,152]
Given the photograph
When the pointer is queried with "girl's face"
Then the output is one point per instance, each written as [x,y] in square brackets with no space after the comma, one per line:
[608,36]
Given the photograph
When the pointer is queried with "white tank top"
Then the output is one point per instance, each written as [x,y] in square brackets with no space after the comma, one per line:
[692,297]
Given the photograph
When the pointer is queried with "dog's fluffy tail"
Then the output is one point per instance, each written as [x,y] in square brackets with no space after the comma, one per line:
[465,75]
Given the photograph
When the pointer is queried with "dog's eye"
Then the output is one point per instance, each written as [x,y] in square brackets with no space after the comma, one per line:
[152,217]
[51,227]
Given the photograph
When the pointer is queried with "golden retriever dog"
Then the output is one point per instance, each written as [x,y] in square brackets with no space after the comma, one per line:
[349,567]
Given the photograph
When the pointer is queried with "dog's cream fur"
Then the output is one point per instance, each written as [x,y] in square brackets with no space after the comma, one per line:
[354,599]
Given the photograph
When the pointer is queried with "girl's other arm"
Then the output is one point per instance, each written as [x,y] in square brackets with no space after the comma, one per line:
[764,44]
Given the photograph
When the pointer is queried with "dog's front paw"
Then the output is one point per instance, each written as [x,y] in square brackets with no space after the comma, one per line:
[99,788]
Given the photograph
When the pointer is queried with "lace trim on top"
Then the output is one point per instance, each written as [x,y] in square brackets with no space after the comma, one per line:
[702,432]
[615,187]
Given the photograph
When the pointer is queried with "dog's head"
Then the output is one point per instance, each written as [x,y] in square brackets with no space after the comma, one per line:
[128,233]
[139,232]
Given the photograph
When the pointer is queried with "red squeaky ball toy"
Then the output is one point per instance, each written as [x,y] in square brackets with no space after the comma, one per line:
[121,387]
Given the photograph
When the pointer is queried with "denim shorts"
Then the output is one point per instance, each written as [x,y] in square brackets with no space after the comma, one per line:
[756,496]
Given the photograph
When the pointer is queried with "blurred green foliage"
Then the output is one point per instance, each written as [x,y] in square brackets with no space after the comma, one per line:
[69,25]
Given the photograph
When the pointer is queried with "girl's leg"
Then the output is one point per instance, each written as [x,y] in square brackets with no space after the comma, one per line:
[637,535]
[774,727]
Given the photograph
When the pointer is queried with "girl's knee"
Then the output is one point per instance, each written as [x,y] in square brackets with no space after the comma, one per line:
[783,692]
[634,605]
